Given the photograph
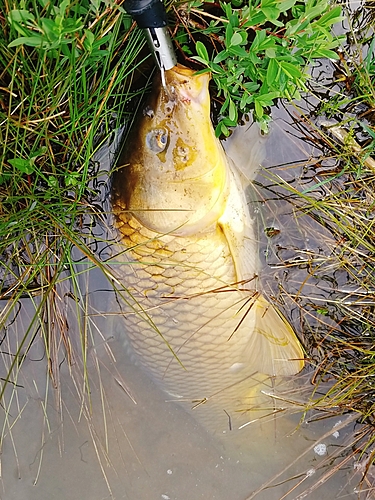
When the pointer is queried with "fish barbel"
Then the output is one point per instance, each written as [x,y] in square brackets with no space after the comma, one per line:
[195,316]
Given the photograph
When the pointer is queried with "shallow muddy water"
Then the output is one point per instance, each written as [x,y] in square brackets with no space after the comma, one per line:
[115,434]
[138,446]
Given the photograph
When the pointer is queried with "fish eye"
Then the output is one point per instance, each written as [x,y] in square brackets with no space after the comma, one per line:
[162,139]
[157,139]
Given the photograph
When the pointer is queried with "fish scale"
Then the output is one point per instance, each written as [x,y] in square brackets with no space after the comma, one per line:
[194,316]
[187,319]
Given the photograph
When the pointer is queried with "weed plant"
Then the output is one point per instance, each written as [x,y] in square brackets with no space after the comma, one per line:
[66,71]
[260,51]
[346,206]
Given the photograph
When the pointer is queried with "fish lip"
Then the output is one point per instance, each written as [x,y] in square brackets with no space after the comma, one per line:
[184,85]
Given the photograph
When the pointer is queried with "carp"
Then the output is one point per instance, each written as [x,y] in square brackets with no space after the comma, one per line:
[189,256]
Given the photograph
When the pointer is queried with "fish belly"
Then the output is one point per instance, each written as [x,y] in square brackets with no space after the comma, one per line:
[187,318]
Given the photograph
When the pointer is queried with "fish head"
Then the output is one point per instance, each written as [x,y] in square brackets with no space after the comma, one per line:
[173,170]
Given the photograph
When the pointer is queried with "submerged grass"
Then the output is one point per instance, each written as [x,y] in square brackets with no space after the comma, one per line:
[62,94]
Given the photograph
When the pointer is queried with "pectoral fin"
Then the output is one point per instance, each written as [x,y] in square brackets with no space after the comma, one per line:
[272,347]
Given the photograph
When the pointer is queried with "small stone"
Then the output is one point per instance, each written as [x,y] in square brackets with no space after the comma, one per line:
[336,434]
[320,449]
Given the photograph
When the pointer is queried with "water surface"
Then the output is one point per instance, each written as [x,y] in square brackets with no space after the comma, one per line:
[110,432]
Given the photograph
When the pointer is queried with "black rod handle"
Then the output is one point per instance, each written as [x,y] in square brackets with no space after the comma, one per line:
[151,16]
[147,13]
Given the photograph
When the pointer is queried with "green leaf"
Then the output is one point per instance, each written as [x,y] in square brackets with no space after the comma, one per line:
[330,18]
[34,41]
[215,68]
[39,152]
[251,86]
[221,129]
[225,105]
[50,29]
[202,51]
[290,69]
[329,54]
[202,71]
[271,53]
[24,166]
[267,98]
[221,56]
[255,20]
[284,5]
[272,71]
[52,181]
[267,3]
[236,39]
[201,60]
[243,101]
[232,111]
[313,11]
[72,179]
[186,49]
[228,34]
[238,51]
[89,40]
[20,16]
[258,109]
[272,14]
[63,6]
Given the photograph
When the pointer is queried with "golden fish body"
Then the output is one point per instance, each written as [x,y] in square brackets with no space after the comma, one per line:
[194,315]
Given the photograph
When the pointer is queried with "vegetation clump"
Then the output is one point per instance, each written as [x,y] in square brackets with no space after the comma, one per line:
[65,73]
[64,84]
[261,52]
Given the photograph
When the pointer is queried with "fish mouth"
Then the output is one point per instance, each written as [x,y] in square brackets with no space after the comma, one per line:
[186,86]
